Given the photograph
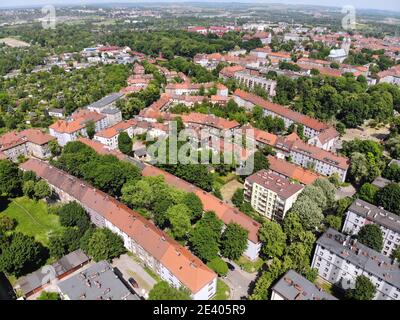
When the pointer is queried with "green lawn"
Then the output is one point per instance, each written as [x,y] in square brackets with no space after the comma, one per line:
[250,266]
[32,218]
[223,291]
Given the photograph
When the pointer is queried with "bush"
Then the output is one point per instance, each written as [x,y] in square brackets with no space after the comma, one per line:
[219,266]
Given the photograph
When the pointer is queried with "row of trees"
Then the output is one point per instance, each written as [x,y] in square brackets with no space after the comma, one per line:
[346,99]
[106,173]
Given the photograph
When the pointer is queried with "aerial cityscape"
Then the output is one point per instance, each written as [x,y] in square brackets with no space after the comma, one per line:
[179,150]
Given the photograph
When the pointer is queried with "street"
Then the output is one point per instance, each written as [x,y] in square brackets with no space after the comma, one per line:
[239,282]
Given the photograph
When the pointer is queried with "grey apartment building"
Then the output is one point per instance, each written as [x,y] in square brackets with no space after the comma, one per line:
[361,213]
[340,260]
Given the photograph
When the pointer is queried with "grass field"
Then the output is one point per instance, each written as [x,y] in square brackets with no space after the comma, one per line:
[223,291]
[32,218]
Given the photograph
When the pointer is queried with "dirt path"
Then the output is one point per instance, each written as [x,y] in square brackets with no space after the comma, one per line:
[21,207]
[229,189]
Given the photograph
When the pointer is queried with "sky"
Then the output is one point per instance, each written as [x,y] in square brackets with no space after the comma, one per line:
[391,5]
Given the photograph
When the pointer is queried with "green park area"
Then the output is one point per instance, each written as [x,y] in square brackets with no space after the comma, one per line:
[32,218]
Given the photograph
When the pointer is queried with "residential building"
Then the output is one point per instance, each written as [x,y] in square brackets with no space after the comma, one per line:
[362,213]
[251,81]
[391,75]
[291,171]
[39,280]
[75,126]
[340,260]
[229,72]
[321,161]
[171,261]
[312,127]
[214,123]
[57,113]
[109,136]
[98,282]
[29,142]
[223,210]
[186,88]
[107,106]
[326,140]
[270,194]
[293,286]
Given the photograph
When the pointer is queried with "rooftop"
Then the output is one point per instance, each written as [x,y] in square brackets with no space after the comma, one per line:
[292,171]
[98,282]
[67,263]
[189,269]
[359,255]
[107,100]
[274,182]
[375,214]
[293,286]
[14,138]
[281,110]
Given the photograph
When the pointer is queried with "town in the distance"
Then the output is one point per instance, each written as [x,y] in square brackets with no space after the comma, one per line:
[199,151]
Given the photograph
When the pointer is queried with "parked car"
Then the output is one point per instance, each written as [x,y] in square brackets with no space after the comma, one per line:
[230,266]
[133,283]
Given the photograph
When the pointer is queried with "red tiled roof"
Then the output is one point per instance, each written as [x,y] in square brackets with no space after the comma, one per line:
[328,135]
[230,71]
[116,129]
[101,149]
[209,120]
[189,269]
[223,211]
[14,138]
[321,155]
[281,110]
[80,118]
[292,171]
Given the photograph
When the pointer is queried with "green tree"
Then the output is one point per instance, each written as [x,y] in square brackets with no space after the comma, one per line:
[389,198]
[364,289]
[273,239]
[179,217]
[219,266]
[7,223]
[46,295]
[238,197]
[42,190]
[125,143]
[368,192]
[10,179]
[105,245]
[233,241]
[54,148]
[371,236]
[90,129]
[28,188]
[193,202]
[260,161]
[309,213]
[332,221]
[163,291]
[73,215]
[22,255]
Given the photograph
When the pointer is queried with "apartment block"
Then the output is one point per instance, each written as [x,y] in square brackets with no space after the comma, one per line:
[340,260]
[362,213]
[270,194]
[293,286]
[171,261]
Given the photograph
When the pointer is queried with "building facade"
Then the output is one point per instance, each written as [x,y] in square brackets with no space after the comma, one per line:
[340,260]
[362,213]
[270,194]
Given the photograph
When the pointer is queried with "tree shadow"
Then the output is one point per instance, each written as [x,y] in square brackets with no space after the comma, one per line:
[4,202]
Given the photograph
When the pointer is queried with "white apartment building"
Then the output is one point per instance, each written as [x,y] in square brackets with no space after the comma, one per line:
[361,213]
[322,161]
[270,194]
[74,127]
[340,260]
[251,81]
[109,136]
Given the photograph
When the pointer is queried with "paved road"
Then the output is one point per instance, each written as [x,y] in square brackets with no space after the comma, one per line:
[239,282]
[130,268]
